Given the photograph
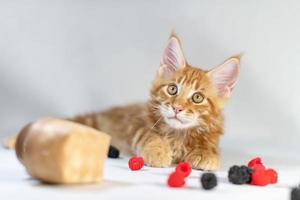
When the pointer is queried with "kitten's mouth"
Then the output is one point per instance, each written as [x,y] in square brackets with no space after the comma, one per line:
[179,123]
[176,121]
[176,118]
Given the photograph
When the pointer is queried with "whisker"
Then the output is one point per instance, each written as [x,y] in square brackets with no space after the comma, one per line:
[155,123]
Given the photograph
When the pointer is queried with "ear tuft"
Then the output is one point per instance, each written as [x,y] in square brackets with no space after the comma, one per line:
[172,58]
[225,76]
[173,34]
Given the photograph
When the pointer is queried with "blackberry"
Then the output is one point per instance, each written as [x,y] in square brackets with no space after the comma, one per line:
[113,152]
[295,194]
[208,181]
[239,174]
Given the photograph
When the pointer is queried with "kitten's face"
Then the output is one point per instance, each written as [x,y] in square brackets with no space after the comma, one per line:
[187,97]
[184,99]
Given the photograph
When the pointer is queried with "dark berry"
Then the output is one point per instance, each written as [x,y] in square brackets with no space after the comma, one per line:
[113,152]
[208,181]
[239,174]
[295,194]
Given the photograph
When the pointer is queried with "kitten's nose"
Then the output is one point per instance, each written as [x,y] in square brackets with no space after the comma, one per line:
[177,108]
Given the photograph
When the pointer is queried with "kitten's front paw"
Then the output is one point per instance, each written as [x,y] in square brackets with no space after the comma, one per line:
[157,156]
[204,160]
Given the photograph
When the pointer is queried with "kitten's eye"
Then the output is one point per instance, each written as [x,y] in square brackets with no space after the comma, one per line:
[172,89]
[197,97]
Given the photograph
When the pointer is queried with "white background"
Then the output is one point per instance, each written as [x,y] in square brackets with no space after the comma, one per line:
[61,58]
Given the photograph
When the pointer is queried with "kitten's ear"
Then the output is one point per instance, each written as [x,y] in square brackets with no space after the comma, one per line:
[225,76]
[172,58]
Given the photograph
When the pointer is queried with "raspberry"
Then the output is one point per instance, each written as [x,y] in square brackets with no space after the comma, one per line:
[256,163]
[258,167]
[239,174]
[260,178]
[136,163]
[113,152]
[273,175]
[295,194]
[208,181]
[184,168]
[176,180]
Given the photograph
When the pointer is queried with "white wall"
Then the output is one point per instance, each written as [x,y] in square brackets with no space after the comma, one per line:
[62,58]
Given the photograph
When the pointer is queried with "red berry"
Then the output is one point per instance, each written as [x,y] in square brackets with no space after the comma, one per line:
[258,167]
[184,168]
[256,164]
[176,180]
[260,177]
[254,161]
[273,175]
[136,163]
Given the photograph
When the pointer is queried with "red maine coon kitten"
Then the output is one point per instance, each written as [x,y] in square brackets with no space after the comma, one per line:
[182,121]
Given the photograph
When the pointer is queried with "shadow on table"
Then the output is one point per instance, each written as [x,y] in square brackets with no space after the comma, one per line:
[102,186]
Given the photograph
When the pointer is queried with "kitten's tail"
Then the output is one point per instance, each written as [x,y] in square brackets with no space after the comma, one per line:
[9,142]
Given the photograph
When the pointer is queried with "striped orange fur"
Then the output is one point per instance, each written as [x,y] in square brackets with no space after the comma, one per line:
[182,121]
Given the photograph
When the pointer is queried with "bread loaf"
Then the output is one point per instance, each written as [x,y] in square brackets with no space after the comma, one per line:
[60,151]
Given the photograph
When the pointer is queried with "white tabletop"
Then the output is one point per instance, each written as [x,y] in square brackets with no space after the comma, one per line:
[148,183]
